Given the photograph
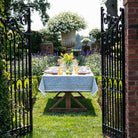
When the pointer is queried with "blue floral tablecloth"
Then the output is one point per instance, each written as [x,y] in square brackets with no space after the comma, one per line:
[55,83]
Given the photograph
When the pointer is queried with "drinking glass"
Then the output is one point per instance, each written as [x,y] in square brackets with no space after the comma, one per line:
[76,69]
[60,70]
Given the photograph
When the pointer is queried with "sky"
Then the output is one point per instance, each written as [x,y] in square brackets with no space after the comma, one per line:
[89,9]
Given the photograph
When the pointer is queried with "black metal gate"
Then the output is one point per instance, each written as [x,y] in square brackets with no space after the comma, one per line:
[17,52]
[113,75]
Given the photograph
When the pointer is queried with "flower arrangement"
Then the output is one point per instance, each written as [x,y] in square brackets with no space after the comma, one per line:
[66,21]
[66,59]
[68,62]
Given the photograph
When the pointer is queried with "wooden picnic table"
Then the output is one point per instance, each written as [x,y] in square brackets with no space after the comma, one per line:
[68,84]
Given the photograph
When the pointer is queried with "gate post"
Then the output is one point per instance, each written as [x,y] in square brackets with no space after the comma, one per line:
[131,43]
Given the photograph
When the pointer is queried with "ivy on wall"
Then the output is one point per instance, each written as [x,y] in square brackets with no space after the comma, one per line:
[4,94]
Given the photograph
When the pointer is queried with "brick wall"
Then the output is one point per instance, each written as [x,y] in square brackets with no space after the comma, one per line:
[46,49]
[131,43]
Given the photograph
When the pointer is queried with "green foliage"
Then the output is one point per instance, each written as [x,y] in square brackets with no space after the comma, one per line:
[66,21]
[99,83]
[67,59]
[4,101]
[80,38]
[95,33]
[94,62]
[39,64]
[4,94]
[1,7]
[35,41]
[44,35]
[18,105]
[85,41]
[14,47]
[81,60]
[66,125]
[54,38]
[41,6]
[35,85]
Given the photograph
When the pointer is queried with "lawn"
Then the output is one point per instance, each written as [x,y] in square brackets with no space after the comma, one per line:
[66,125]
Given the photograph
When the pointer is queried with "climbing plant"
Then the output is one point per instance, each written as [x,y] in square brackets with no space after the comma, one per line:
[4,95]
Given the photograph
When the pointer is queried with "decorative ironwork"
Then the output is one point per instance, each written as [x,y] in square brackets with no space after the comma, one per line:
[113,75]
[17,53]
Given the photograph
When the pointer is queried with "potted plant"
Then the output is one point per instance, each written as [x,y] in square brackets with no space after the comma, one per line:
[85,41]
[85,47]
[96,34]
[47,47]
[67,23]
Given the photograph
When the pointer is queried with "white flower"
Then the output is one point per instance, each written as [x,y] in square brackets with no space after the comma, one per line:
[66,21]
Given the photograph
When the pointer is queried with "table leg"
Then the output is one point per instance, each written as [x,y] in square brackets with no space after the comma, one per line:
[68,99]
[68,96]
[53,107]
[81,96]
[56,96]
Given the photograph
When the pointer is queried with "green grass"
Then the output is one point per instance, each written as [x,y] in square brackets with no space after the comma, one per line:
[66,125]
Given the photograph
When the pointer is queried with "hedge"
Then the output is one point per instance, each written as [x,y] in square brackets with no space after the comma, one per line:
[4,101]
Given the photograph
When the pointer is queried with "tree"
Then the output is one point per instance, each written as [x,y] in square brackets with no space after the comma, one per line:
[35,41]
[111,6]
[16,7]
[95,33]
[78,42]
[54,38]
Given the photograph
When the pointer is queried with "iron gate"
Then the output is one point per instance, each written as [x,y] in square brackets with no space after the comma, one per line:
[113,75]
[17,52]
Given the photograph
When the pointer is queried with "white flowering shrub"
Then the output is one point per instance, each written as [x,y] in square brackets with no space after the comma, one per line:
[66,21]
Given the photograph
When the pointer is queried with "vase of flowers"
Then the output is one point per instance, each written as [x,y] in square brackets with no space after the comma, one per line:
[67,61]
[67,23]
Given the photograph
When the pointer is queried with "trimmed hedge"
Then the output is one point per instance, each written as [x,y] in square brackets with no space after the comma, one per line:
[35,41]
[4,101]
[35,84]
[4,95]
[99,83]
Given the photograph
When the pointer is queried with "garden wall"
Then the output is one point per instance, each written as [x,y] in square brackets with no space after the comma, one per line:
[131,44]
[46,49]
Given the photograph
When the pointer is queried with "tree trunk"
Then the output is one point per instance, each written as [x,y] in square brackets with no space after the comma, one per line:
[111,7]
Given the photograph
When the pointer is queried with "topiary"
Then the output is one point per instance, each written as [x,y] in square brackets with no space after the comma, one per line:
[95,33]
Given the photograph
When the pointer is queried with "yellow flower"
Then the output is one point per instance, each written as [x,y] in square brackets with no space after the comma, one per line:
[67,58]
